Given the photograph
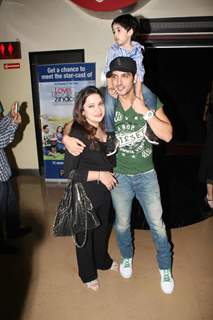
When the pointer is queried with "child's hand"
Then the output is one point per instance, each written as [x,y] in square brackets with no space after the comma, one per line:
[113,92]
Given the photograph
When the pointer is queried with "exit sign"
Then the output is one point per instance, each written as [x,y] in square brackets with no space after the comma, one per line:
[10,50]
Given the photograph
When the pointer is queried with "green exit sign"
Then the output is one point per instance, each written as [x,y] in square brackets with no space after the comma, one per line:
[10,50]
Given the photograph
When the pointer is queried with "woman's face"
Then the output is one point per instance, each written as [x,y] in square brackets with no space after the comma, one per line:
[93,109]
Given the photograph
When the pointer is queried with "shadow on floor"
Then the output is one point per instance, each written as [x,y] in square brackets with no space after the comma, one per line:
[182,194]
[16,272]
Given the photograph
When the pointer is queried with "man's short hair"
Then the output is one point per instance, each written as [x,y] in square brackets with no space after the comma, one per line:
[45,126]
[124,64]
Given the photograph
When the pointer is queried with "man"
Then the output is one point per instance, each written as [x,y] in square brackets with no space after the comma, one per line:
[48,141]
[135,170]
[9,217]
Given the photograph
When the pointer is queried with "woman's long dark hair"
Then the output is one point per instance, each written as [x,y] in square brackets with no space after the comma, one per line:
[78,109]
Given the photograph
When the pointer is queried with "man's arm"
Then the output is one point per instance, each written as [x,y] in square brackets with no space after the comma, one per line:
[5,121]
[73,145]
[7,136]
[7,133]
[159,123]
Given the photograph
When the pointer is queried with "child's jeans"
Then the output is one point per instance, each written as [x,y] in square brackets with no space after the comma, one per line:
[150,100]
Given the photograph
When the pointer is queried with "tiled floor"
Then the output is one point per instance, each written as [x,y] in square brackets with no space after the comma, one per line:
[41,282]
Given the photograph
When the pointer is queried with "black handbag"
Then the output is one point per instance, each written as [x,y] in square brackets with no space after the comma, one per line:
[75,212]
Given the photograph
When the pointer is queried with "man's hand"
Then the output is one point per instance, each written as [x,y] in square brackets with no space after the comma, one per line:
[73,145]
[139,106]
[67,127]
[15,115]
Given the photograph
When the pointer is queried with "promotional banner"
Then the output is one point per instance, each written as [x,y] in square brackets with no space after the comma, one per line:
[58,86]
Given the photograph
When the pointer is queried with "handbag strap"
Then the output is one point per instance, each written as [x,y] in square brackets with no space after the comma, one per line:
[85,229]
[85,235]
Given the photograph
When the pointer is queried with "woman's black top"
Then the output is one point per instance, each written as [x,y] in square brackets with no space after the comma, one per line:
[93,158]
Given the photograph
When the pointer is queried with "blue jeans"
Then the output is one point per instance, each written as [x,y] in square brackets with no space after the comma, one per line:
[150,100]
[143,186]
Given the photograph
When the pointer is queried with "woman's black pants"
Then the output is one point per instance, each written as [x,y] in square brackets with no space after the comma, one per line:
[94,255]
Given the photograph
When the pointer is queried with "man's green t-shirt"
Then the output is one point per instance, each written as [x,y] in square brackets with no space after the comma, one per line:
[135,152]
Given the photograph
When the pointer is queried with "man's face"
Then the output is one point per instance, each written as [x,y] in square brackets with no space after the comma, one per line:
[123,82]
[46,130]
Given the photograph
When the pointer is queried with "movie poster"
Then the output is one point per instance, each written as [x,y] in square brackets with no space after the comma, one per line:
[58,86]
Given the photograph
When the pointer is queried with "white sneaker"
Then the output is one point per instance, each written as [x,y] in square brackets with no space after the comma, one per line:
[167,282]
[126,267]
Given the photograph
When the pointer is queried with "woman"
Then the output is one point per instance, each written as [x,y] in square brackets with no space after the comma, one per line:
[94,171]
[59,136]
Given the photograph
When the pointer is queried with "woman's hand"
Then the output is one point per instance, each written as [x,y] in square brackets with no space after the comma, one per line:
[108,179]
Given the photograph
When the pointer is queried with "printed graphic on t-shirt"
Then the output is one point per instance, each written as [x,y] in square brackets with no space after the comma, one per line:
[130,134]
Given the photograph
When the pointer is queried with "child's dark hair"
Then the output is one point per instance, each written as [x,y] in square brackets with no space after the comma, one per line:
[127,21]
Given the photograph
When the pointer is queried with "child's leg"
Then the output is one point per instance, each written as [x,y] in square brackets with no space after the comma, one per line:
[109,102]
[150,98]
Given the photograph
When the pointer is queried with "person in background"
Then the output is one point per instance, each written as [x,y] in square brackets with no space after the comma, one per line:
[48,142]
[59,136]
[1,110]
[94,171]
[10,226]
[125,28]
[206,165]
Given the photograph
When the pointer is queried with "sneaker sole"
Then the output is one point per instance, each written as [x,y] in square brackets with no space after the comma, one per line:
[125,276]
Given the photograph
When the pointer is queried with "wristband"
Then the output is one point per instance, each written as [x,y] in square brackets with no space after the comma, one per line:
[148,115]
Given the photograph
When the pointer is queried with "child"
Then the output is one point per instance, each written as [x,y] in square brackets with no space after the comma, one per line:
[124,28]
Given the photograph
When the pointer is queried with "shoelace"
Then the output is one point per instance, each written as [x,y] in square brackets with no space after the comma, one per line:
[166,275]
[126,263]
